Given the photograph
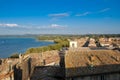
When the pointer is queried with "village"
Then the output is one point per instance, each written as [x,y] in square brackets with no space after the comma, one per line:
[85,59]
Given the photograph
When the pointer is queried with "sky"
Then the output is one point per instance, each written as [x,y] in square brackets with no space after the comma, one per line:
[59,17]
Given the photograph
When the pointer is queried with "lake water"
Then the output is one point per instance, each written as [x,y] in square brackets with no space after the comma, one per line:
[9,46]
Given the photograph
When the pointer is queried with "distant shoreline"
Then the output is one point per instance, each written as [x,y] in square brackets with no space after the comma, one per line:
[28,37]
[46,40]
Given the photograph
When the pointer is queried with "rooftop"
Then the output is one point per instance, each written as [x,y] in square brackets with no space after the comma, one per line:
[90,62]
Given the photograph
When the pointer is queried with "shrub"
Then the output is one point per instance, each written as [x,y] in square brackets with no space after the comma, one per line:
[59,44]
[16,55]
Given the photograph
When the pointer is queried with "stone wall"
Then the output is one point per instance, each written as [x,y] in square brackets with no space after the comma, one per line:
[26,68]
[22,71]
[110,76]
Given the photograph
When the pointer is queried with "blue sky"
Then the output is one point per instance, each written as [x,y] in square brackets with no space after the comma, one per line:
[59,16]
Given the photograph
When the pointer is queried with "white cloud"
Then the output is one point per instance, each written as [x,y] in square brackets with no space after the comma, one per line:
[9,25]
[58,26]
[84,14]
[104,10]
[99,11]
[34,27]
[59,15]
[55,26]
[45,27]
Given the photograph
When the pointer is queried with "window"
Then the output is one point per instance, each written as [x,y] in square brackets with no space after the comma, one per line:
[73,44]
[103,77]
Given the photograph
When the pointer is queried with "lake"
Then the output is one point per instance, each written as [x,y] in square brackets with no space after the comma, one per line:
[10,45]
